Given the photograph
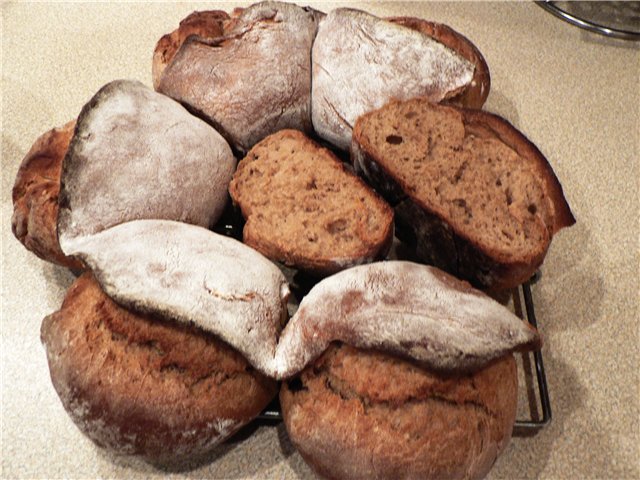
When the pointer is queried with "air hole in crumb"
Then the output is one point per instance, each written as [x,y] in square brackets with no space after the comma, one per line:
[532,209]
[498,183]
[509,196]
[336,226]
[410,114]
[311,185]
[394,139]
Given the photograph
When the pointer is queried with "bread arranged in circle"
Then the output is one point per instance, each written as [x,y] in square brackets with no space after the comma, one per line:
[360,62]
[304,208]
[138,154]
[253,81]
[146,386]
[476,196]
[35,196]
[367,414]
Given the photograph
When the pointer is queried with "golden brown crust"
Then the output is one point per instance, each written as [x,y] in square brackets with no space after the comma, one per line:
[206,24]
[477,92]
[35,196]
[365,414]
[141,385]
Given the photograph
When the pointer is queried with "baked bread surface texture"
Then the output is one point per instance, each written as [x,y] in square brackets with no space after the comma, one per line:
[362,414]
[411,310]
[205,24]
[360,62]
[194,276]
[35,196]
[480,200]
[254,81]
[141,385]
[138,154]
[305,209]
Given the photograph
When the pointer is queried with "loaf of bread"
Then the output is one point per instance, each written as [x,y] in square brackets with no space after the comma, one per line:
[207,24]
[143,385]
[475,196]
[356,414]
[305,209]
[194,276]
[360,62]
[35,196]
[253,81]
[138,154]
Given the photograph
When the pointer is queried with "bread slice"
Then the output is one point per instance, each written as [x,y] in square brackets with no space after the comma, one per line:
[206,24]
[305,209]
[480,199]
[360,62]
[35,197]
[253,81]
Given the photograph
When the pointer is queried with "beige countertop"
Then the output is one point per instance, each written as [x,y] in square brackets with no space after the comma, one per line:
[575,94]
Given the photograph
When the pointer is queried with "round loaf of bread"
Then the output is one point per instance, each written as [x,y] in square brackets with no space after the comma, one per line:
[35,196]
[364,414]
[144,386]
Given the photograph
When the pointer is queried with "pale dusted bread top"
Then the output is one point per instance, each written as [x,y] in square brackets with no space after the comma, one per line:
[469,168]
[253,81]
[411,310]
[305,209]
[138,154]
[192,275]
[360,62]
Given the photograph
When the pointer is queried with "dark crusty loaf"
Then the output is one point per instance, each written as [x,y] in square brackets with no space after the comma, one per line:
[365,414]
[253,81]
[205,24]
[35,196]
[305,209]
[140,385]
[480,199]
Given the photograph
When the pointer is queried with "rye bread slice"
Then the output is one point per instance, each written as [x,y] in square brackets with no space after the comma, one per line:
[304,208]
[476,196]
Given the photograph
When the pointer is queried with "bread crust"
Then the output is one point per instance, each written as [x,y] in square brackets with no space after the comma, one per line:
[206,24]
[327,262]
[476,93]
[457,251]
[253,81]
[366,414]
[141,385]
[35,197]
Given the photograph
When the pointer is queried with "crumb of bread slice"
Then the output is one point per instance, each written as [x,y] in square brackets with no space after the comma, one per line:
[471,170]
[305,209]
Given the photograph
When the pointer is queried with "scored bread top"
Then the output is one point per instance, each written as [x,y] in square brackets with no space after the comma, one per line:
[138,154]
[192,275]
[305,209]
[469,168]
[253,81]
[360,62]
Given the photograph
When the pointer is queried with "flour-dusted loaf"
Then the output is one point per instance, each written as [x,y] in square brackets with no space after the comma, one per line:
[473,193]
[194,276]
[35,196]
[305,209]
[411,310]
[138,154]
[356,414]
[253,81]
[205,24]
[360,62]
[143,385]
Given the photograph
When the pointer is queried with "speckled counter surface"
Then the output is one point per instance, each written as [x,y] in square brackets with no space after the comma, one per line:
[575,94]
